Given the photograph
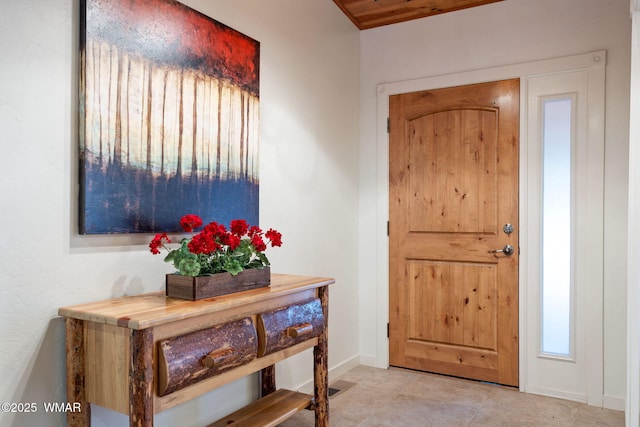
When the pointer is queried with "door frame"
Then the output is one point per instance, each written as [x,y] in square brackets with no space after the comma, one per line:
[595,62]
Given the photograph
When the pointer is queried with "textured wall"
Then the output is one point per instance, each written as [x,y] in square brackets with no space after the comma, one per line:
[309,119]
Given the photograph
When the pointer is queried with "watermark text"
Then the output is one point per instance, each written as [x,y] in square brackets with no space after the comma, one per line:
[32,407]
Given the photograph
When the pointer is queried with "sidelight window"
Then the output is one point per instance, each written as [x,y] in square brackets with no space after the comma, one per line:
[557,226]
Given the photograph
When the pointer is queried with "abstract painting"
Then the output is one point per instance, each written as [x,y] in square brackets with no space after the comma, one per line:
[169,117]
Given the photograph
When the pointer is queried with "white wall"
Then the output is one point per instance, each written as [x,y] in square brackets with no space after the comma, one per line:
[309,188]
[509,32]
[632,410]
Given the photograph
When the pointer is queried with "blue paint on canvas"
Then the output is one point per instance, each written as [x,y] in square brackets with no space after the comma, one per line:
[124,200]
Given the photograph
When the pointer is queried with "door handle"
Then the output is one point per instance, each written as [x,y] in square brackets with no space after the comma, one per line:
[507,250]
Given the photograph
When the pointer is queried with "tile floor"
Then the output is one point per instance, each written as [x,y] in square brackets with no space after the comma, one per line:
[399,398]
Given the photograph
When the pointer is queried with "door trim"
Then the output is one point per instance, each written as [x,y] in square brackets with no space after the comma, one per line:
[594,62]
[632,405]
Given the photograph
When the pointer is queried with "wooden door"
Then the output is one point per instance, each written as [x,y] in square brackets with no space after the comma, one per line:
[453,178]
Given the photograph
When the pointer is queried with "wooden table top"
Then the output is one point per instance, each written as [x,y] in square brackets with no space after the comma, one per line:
[153,309]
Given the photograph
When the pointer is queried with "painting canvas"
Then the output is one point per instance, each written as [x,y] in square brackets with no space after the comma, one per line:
[169,117]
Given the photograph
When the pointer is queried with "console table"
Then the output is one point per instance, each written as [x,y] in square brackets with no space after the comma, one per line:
[142,354]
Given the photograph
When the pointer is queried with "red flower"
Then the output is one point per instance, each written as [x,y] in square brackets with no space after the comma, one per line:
[203,243]
[223,238]
[233,241]
[190,222]
[254,230]
[157,242]
[239,227]
[215,229]
[258,243]
[274,236]
[214,249]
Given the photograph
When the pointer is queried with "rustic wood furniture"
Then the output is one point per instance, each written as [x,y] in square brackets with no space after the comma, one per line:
[142,354]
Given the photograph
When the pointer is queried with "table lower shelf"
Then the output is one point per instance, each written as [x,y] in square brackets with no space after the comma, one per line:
[269,411]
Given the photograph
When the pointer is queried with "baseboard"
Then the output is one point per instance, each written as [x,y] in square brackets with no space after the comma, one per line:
[616,403]
[370,361]
[548,392]
[344,367]
[334,372]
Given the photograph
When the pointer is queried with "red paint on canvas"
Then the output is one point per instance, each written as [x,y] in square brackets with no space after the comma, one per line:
[171,31]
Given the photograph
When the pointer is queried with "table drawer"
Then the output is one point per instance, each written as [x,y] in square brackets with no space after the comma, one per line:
[189,358]
[287,326]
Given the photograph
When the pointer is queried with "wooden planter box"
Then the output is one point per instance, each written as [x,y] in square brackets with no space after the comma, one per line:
[200,287]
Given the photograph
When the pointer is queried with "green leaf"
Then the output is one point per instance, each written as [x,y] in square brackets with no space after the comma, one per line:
[170,256]
[263,258]
[233,266]
[189,267]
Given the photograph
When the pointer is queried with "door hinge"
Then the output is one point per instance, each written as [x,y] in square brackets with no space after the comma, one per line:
[388,125]
[388,335]
[387,228]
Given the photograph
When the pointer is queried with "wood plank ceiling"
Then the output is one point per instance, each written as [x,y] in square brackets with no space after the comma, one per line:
[375,13]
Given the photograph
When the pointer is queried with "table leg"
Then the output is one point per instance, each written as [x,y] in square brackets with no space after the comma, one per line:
[267,380]
[141,379]
[74,346]
[320,368]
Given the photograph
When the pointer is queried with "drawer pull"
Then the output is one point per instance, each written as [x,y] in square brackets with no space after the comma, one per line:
[300,330]
[217,357]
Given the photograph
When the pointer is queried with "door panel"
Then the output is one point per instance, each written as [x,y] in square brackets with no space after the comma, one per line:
[462,307]
[453,185]
[453,171]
